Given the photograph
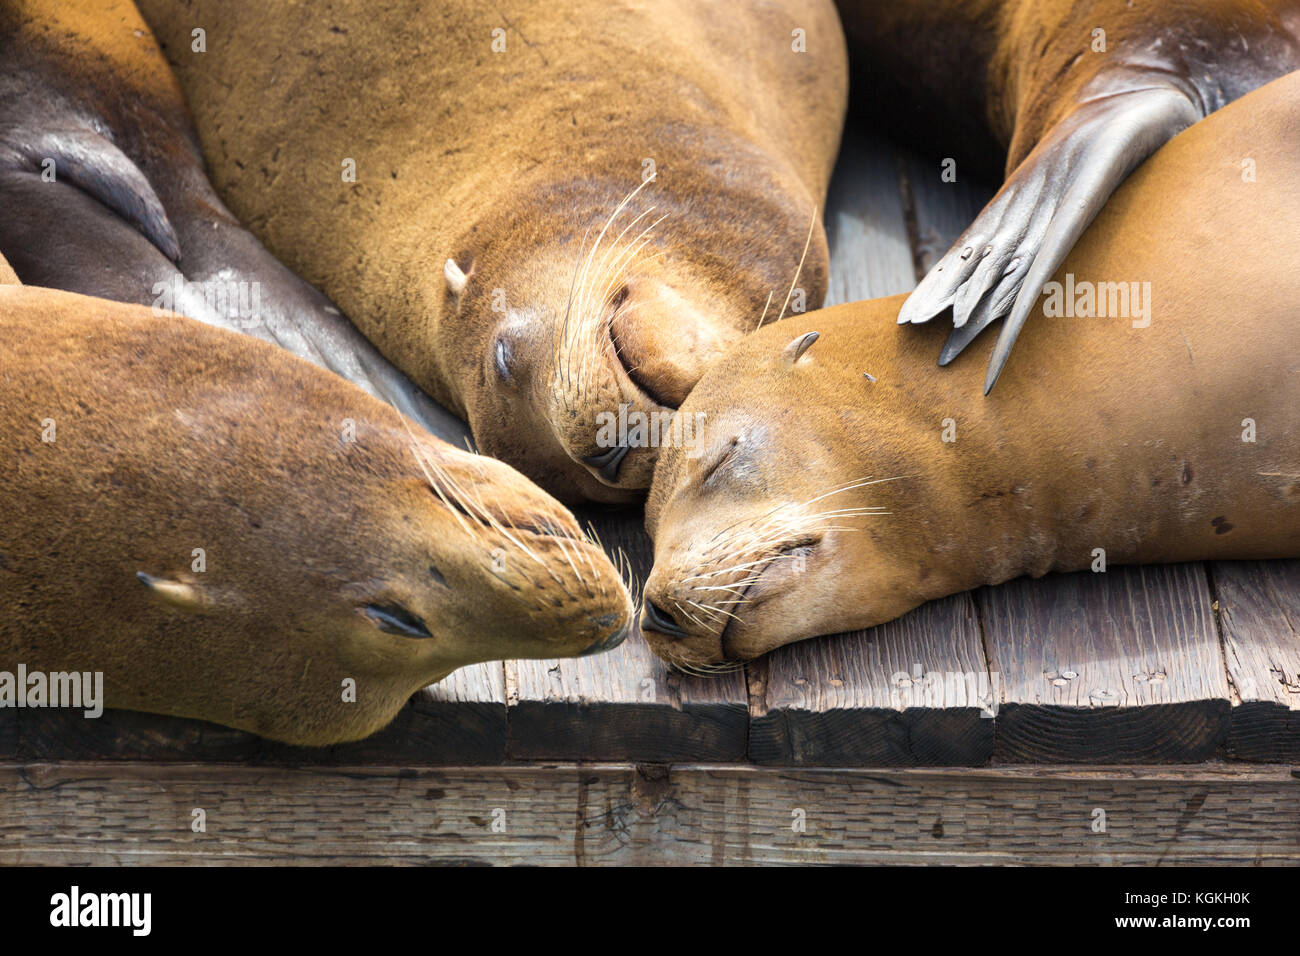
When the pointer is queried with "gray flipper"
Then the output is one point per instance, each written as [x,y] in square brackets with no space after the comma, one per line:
[94,164]
[1024,234]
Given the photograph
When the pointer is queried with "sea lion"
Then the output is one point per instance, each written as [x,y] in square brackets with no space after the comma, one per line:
[7,274]
[454,175]
[104,193]
[840,482]
[1079,93]
[228,532]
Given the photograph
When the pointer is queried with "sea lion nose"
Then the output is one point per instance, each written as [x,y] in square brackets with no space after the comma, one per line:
[606,464]
[611,640]
[655,618]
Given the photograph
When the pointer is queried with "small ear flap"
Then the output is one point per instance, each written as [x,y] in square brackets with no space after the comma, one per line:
[455,276]
[176,593]
[794,351]
[395,619]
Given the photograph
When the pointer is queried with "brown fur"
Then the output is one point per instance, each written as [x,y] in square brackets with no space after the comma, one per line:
[505,162]
[171,436]
[7,276]
[1105,436]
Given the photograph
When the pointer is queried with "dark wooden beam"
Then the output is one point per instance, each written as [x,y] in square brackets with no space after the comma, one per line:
[1116,667]
[129,813]
[1259,611]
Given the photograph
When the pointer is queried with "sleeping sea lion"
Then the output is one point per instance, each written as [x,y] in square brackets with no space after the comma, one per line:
[841,482]
[1079,92]
[227,532]
[552,217]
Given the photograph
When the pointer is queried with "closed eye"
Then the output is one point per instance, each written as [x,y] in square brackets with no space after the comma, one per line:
[725,456]
[504,356]
[395,619]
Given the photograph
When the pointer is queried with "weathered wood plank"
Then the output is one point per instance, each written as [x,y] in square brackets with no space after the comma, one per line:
[915,691]
[836,701]
[129,735]
[937,212]
[865,226]
[1259,612]
[142,813]
[1116,667]
[624,704]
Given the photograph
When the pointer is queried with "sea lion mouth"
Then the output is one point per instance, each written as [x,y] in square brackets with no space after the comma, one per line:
[769,578]
[761,586]
[653,388]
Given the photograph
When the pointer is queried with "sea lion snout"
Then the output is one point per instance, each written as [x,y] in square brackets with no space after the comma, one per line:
[665,340]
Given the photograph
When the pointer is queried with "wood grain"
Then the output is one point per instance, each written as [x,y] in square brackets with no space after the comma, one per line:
[865,224]
[915,691]
[937,212]
[1259,612]
[1121,666]
[624,704]
[141,813]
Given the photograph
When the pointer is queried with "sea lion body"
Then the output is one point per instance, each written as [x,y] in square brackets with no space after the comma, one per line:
[492,144]
[822,501]
[104,193]
[1078,93]
[228,532]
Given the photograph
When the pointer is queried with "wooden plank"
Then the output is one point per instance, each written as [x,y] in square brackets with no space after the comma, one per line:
[1259,612]
[865,227]
[915,691]
[937,212]
[460,720]
[624,704]
[1118,667]
[141,814]
[130,735]
[838,701]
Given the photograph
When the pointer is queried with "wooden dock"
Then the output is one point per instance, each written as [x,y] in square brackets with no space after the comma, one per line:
[1173,689]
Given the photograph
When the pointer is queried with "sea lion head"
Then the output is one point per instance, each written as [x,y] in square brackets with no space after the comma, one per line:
[256,532]
[407,562]
[766,532]
[578,320]
[485,564]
